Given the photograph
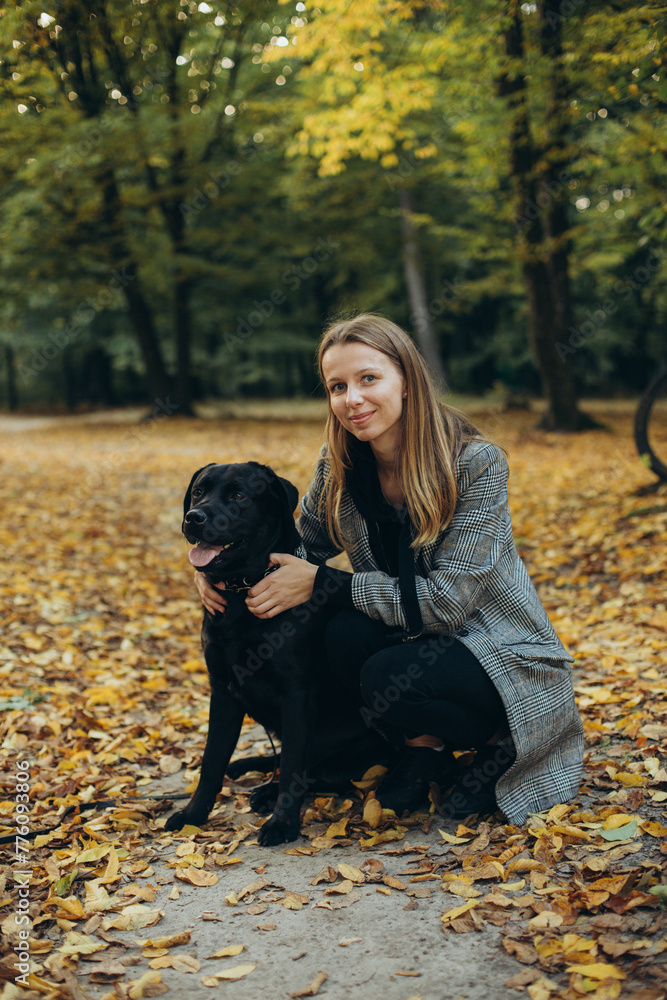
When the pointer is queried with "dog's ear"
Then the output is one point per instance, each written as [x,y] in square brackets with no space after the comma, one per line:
[187,500]
[290,494]
[281,490]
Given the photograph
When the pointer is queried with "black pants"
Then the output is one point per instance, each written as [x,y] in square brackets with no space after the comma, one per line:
[432,685]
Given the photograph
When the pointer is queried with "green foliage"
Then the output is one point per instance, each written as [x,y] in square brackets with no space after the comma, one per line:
[238,169]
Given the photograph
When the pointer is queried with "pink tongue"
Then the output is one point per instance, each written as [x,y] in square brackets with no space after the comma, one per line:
[202,555]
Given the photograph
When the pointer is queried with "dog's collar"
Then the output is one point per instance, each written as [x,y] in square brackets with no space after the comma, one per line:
[241,585]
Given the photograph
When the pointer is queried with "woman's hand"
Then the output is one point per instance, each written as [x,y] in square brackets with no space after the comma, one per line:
[211,597]
[286,587]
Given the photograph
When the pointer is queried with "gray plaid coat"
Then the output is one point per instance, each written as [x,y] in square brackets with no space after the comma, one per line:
[471,584]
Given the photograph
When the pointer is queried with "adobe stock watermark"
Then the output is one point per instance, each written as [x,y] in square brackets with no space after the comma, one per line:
[58,340]
[292,278]
[597,319]
[274,641]
[22,877]
[215,183]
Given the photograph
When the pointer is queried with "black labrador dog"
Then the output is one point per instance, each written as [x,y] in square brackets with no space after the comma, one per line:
[271,669]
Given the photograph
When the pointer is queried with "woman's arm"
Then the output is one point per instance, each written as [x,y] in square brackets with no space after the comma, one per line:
[210,596]
[465,560]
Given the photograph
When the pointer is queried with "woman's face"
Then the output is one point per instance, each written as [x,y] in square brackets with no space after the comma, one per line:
[365,393]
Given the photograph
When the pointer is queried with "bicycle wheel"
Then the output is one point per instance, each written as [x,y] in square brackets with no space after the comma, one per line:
[651,425]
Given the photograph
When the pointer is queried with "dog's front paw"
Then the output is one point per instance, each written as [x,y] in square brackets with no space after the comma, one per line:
[184,818]
[263,799]
[278,830]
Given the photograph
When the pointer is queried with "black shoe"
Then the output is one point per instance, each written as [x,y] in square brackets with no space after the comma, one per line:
[475,790]
[407,785]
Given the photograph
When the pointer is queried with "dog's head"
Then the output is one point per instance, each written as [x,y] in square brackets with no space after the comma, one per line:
[235,515]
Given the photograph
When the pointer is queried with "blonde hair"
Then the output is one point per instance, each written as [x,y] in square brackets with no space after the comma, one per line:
[432,439]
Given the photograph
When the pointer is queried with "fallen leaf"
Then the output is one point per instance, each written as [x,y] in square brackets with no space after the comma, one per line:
[229,951]
[148,985]
[196,877]
[598,970]
[311,991]
[181,963]
[237,972]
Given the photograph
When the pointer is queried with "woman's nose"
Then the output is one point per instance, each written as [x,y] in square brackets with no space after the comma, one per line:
[353,396]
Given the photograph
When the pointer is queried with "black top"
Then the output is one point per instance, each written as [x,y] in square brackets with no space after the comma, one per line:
[386,525]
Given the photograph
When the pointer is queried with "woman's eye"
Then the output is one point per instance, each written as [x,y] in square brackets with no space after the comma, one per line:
[372,377]
[338,387]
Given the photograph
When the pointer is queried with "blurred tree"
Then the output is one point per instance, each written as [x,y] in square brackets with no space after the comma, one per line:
[379,80]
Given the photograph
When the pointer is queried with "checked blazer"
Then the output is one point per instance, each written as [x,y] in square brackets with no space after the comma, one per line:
[472,585]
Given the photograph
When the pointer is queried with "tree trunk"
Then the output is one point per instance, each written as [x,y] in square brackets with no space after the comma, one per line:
[141,316]
[10,365]
[183,334]
[414,279]
[541,224]
[69,380]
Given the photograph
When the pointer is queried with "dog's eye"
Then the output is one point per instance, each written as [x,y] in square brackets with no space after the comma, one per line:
[238,495]
[197,492]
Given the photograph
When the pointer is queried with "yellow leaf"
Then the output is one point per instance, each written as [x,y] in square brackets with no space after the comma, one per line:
[133,918]
[80,944]
[168,941]
[449,839]
[341,889]
[653,828]
[598,970]
[541,989]
[97,898]
[458,910]
[237,972]
[372,812]
[138,987]
[547,918]
[196,877]
[181,963]
[352,873]
[111,870]
[380,838]
[393,882]
[337,829]
[70,907]
[628,779]
[459,888]
[616,820]
[229,951]
[92,854]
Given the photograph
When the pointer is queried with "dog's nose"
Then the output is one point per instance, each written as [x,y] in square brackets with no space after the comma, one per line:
[195,516]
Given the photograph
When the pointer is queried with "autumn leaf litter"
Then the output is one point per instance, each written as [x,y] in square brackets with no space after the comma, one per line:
[104,692]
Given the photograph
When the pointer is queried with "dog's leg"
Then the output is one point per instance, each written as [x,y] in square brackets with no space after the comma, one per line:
[297,714]
[224,727]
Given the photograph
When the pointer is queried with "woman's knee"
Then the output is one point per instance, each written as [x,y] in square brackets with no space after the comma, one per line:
[383,681]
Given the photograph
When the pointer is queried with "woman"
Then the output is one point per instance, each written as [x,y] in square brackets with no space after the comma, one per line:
[440,634]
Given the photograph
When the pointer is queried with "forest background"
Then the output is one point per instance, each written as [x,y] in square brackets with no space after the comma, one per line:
[189,191]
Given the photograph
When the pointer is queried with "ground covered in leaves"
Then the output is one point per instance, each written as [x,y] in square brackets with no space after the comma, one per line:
[104,699]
